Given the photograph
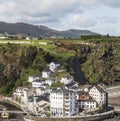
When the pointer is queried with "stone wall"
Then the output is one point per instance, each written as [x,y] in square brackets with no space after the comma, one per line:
[97,117]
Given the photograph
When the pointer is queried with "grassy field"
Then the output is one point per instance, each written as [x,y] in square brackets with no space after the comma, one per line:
[46,44]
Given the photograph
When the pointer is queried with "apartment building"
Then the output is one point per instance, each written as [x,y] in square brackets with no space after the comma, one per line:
[62,103]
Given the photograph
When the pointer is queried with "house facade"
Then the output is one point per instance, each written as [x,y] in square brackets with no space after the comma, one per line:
[85,101]
[53,66]
[42,90]
[62,103]
[66,79]
[37,104]
[38,83]
[99,95]
[49,81]
[87,104]
[21,95]
[32,78]
[46,74]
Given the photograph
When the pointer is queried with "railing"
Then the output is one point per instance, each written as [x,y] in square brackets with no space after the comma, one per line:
[110,88]
[117,110]
[11,111]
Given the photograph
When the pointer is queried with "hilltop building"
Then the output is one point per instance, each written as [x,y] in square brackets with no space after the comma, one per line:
[46,73]
[32,78]
[67,79]
[53,66]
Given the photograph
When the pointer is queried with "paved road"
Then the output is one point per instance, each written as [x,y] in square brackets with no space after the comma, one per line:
[114,96]
[113,91]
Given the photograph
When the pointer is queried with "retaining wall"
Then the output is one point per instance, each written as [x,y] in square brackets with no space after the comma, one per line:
[97,117]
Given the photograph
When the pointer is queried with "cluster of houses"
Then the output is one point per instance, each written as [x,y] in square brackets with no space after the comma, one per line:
[64,101]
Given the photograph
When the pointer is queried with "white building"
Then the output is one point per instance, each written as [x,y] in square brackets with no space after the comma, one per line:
[49,81]
[46,74]
[27,38]
[21,95]
[41,106]
[67,79]
[42,83]
[62,103]
[42,90]
[85,101]
[32,78]
[99,95]
[31,103]
[38,83]
[53,66]
[37,103]
[19,91]
[87,104]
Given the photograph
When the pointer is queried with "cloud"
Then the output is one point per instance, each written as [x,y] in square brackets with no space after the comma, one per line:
[93,3]
[61,14]
[77,21]
[41,10]
[109,19]
[111,3]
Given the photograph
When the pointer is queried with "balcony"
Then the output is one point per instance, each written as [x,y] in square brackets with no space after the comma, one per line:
[66,108]
[67,99]
[67,104]
[66,96]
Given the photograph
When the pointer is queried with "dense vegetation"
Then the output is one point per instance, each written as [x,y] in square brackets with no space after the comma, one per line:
[97,60]
[18,62]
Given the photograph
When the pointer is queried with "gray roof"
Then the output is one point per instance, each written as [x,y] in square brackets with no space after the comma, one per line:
[70,84]
[38,80]
[55,62]
[82,92]
[39,98]
[61,90]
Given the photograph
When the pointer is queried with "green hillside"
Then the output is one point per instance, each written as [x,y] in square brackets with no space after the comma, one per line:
[91,60]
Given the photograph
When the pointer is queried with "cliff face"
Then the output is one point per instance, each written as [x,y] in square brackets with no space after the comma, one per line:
[76,70]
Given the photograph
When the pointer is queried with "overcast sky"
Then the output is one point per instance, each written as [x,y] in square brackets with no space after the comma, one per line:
[102,16]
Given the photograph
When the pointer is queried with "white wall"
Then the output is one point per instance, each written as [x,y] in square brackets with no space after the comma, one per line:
[32,78]
[46,74]
[100,97]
